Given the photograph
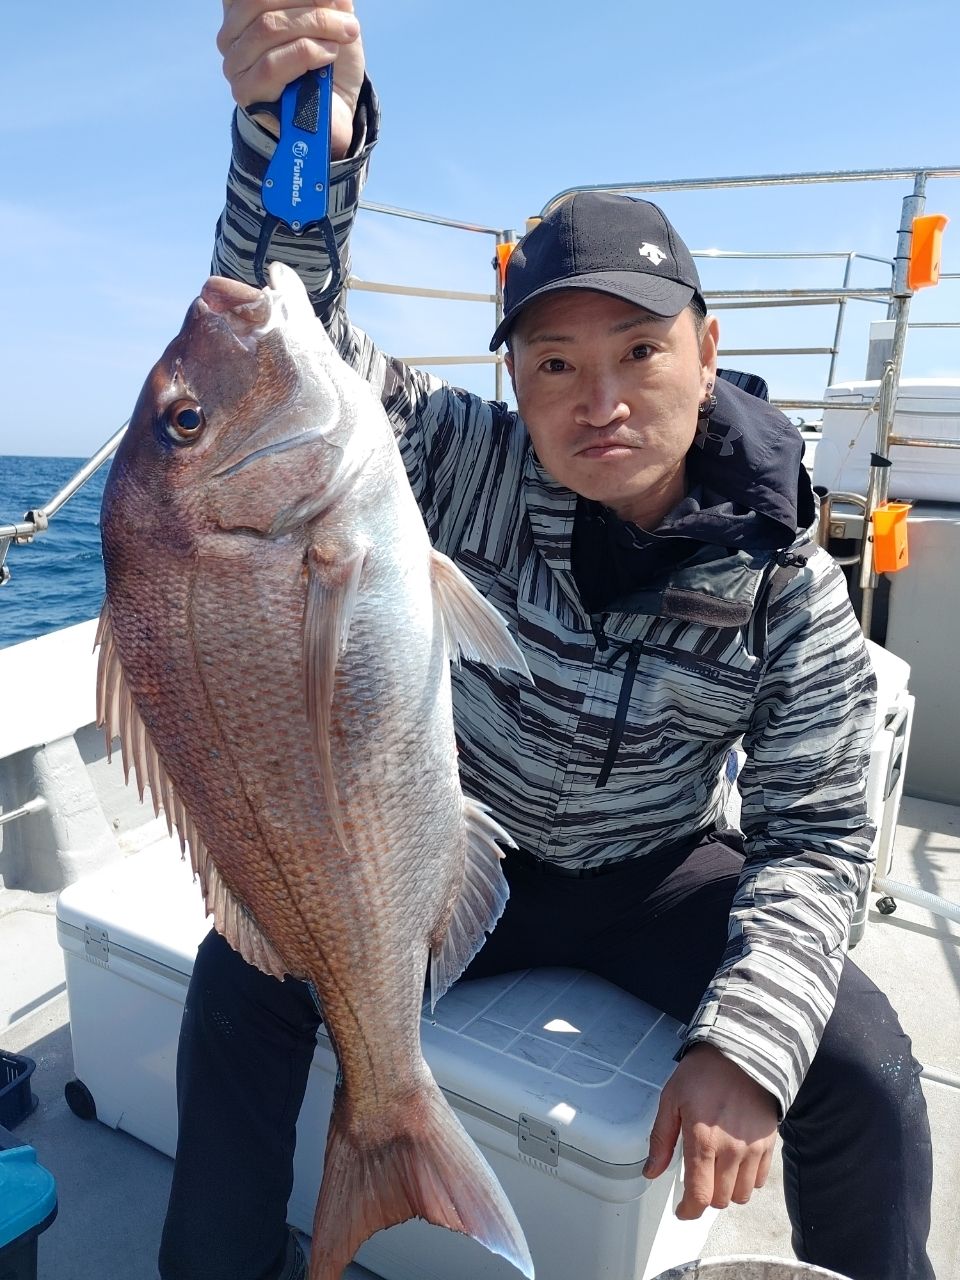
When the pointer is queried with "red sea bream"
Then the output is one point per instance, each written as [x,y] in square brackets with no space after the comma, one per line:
[275,652]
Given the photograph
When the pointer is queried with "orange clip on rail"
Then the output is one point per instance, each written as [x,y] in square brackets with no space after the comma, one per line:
[890,552]
[925,248]
[503,257]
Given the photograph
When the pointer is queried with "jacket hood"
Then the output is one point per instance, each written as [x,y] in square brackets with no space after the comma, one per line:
[750,457]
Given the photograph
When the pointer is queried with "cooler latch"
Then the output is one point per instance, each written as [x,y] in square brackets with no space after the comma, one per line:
[538,1141]
[96,945]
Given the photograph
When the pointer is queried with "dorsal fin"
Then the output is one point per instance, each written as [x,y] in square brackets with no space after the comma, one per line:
[480,905]
[118,715]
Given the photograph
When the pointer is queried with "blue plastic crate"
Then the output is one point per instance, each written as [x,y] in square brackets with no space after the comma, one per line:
[28,1204]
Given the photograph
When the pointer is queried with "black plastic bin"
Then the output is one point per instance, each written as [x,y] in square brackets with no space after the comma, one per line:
[16,1100]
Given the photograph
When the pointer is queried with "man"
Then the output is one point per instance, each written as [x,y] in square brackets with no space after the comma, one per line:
[643,527]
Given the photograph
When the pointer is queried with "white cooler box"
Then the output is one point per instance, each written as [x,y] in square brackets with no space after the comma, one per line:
[555,1073]
[888,759]
[842,458]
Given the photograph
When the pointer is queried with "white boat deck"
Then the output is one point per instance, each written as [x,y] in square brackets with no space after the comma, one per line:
[112,1188]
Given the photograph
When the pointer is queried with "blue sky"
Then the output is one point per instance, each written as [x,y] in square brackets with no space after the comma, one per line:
[115,134]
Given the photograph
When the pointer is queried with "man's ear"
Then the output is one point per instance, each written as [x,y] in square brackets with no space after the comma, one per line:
[709,345]
[508,364]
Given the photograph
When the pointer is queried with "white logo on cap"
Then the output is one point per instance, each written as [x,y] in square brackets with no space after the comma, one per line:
[653,252]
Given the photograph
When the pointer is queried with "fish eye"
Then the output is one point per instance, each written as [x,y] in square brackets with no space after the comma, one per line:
[183,421]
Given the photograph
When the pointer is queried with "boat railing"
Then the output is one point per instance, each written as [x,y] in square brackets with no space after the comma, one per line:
[717,299]
[22,811]
[898,311]
[895,295]
[37,520]
[732,299]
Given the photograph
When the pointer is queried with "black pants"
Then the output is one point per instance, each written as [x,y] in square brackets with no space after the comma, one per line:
[856,1142]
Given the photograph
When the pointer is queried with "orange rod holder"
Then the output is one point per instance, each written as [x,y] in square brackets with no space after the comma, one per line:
[923,270]
[503,257]
[890,551]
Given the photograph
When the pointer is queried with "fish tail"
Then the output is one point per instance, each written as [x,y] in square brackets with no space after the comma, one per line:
[432,1169]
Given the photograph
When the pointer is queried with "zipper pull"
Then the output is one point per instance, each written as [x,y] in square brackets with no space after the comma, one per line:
[596,625]
[634,650]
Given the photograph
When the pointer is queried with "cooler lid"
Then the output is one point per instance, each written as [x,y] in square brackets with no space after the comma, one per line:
[582,1057]
[148,904]
[28,1194]
[866,391]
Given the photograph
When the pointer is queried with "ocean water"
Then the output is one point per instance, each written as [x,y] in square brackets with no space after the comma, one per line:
[57,579]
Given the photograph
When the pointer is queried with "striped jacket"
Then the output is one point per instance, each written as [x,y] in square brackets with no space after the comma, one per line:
[620,744]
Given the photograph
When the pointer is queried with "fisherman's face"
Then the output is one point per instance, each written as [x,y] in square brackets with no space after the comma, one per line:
[610,396]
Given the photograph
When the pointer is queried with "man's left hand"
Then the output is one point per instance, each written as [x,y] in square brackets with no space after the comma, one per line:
[729,1128]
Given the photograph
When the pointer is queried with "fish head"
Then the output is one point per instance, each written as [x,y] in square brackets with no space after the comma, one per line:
[249,421]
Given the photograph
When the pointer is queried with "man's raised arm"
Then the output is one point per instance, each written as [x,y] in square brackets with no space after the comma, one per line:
[266,45]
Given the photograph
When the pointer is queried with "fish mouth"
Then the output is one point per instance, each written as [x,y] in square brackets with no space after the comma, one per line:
[244,313]
[250,314]
[230,298]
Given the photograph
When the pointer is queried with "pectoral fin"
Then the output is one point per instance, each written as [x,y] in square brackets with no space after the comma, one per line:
[471,626]
[331,600]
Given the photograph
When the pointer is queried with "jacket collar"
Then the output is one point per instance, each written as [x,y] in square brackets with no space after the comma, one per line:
[718,589]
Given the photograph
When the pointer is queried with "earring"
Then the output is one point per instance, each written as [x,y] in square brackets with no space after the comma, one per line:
[716,438]
[708,406]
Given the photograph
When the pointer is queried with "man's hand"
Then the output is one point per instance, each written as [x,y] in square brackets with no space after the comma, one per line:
[729,1127]
[267,44]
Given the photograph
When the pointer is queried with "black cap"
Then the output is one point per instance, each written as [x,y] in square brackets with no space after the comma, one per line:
[610,243]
